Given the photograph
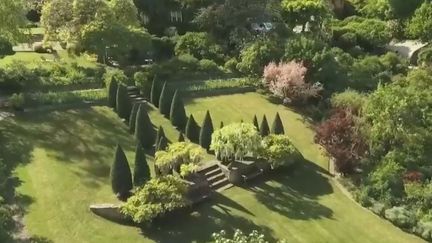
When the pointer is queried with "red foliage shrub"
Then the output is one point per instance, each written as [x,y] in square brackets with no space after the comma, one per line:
[413,176]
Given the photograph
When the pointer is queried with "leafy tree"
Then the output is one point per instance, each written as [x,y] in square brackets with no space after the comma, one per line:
[121,178]
[277,126]
[264,128]
[158,196]
[279,151]
[421,24]
[112,92]
[165,100]
[181,138]
[124,12]
[155,93]
[123,103]
[159,135]
[178,154]
[192,130]
[206,132]
[178,114]
[303,48]
[255,123]
[141,170]
[404,9]
[132,118]
[300,12]
[143,82]
[13,18]
[235,141]
[199,45]
[144,132]
[255,56]
[6,48]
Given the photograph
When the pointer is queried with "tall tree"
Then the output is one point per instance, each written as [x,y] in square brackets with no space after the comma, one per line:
[144,132]
[206,132]
[112,92]
[155,93]
[177,113]
[277,126]
[160,134]
[192,130]
[165,100]
[133,115]
[12,19]
[123,103]
[264,128]
[121,178]
[420,25]
[255,122]
[141,170]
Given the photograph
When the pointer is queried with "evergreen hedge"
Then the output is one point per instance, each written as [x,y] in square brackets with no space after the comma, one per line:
[141,170]
[255,122]
[264,128]
[277,126]
[160,134]
[192,130]
[165,99]
[155,93]
[177,112]
[163,144]
[112,93]
[206,132]
[120,174]
[132,118]
[144,132]
[123,103]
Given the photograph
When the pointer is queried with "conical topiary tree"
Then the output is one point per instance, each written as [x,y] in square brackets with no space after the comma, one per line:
[112,93]
[144,132]
[132,118]
[155,93]
[123,103]
[255,122]
[192,130]
[206,132]
[264,128]
[277,126]
[141,170]
[221,124]
[181,138]
[163,144]
[165,100]
[160,134]
[177,112]
[121,178]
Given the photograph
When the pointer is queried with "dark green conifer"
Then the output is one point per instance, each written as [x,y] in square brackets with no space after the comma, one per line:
[163,144]
[165,101]
[141,170]
[112,93]
[144,132]
[160,134]
[155,92]
[277,126]
[121,178]
[192,130]
[264,128]
[132,119]
[206,131]
[123,105]
[221,124]
[181,138]
[255,122]
[177,112]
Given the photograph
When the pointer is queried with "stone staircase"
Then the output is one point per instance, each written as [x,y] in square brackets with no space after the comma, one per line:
[135,95]
[217,180]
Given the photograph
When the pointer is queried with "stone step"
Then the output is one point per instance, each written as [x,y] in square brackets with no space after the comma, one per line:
[212,172]
[221,183]
[216,178]
[132,88]
[210,168]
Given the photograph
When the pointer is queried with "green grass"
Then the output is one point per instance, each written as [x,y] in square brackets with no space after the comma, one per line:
[69,165]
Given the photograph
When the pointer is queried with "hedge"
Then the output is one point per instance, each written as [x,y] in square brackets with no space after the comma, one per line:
[66,97]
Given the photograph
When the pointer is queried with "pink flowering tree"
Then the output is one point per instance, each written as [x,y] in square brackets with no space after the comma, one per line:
[287,80]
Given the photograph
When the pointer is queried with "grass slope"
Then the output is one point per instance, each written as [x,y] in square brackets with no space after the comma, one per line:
[71,152]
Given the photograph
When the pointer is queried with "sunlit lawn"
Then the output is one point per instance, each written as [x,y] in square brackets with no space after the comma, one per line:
[70,153]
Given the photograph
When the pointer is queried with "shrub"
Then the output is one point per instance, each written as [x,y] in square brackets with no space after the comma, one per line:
[401,217]
[258,54]
[231,65]
[424,229]
[279,151]
[155,198]
[425,57]
[6,48]
[181,138]
[162,145]
[17,101]
[115,74]
[143,82]
[176,155]
[177,112]
[123,103]
[200,45]
[206,132]
[255,123]
[121,178]
[141,170]
[112,92]
[144,132]
[378,208]
[165,100]
[65,97]
[192,130]
[155,92]
[208,66]
[159,135]
[239,236]
[264,128]
[235,141]
[132,118]
[40,48]
[188,169]
[349,99]
[277,126]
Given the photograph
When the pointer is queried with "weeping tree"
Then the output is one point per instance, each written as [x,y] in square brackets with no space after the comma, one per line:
[132,118]
[177,113]
[144,132]
[120,174]
[141,170]
[264,128]
[277,126]
[165,99]
[235,141]
[255,123]
[192,130]
[206,132]
[112,93]
[123,103]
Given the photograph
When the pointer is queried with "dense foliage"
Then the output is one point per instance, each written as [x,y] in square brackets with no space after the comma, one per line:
[144,131]
[121,177]
[177,112]
[176,155]
[206,131]
[141,172]
[279,151]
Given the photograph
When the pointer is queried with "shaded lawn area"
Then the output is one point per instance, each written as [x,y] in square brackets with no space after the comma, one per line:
[70,153]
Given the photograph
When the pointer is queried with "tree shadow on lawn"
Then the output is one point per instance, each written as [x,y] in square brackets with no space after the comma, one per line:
[198,225]
[295,195]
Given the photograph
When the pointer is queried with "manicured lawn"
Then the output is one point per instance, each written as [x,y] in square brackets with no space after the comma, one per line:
[69,165]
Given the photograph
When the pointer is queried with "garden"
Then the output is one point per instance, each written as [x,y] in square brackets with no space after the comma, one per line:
[258,121]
